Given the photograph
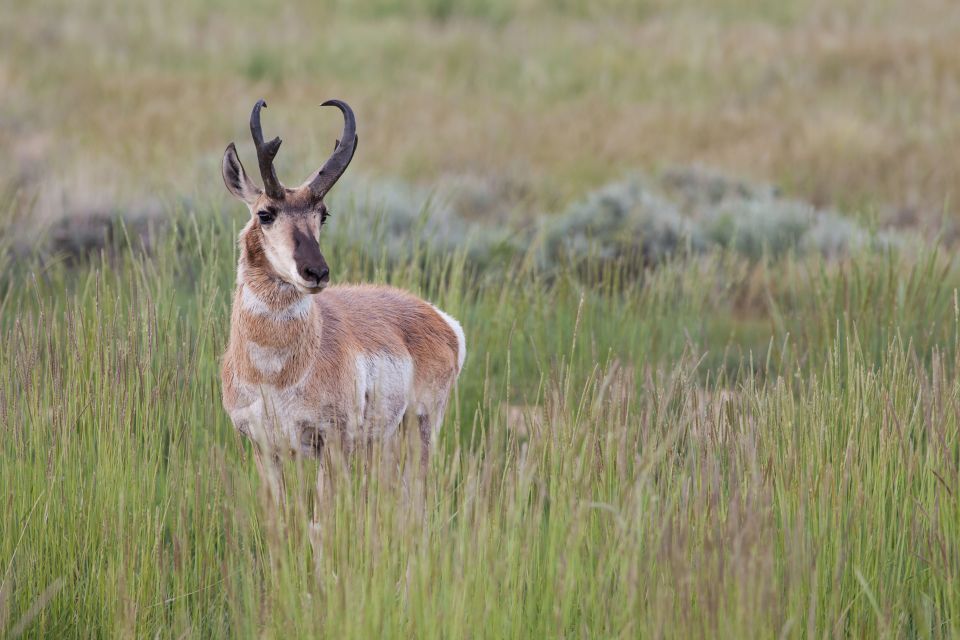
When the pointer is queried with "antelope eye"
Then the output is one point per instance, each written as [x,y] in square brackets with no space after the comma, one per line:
[266,216]
[324,214]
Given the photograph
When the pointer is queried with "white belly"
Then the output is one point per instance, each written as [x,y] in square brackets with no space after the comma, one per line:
[282,418]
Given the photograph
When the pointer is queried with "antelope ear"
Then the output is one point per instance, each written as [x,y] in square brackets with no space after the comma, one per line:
[236,178]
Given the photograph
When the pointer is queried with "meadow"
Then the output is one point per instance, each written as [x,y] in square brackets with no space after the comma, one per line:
[693,405]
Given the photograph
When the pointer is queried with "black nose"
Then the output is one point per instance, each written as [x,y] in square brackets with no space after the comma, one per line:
[317,274]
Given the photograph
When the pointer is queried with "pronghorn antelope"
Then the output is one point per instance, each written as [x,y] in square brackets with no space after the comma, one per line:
[307,363]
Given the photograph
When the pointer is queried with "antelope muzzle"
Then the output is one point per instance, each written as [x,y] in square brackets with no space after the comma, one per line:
[311,265]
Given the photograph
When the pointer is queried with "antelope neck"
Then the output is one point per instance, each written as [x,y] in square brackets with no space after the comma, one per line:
[272,313]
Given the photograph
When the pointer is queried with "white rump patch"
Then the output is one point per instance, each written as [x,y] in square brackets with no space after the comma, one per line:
[267,359]
[299,310]
[457,331]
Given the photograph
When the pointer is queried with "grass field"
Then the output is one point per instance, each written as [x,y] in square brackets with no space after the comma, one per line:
[615,463]
[741,440]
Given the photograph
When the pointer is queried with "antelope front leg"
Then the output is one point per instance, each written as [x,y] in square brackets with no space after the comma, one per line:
[271,472]
[315,530]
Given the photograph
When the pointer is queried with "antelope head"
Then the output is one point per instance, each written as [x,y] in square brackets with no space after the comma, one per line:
[289,220]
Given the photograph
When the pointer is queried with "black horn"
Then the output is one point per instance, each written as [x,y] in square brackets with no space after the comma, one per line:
[266,152]
[343,152]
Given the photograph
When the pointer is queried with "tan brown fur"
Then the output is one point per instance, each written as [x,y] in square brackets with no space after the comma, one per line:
[343,321]
[307,362]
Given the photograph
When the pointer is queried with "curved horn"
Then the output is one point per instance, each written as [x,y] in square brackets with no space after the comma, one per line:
[266,152]
[343,152]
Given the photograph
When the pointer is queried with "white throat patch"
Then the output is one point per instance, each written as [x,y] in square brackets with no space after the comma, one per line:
[269,360]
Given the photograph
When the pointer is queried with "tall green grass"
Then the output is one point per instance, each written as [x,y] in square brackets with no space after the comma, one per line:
[718,447]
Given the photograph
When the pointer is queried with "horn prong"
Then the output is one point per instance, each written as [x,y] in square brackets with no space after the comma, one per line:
[266,152]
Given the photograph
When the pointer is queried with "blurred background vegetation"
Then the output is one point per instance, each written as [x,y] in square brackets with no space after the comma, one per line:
[114,106]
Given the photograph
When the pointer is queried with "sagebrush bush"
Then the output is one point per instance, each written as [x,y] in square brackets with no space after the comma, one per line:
[637,222]
[621,220]
[753,227]
[697,210]
[392,218]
